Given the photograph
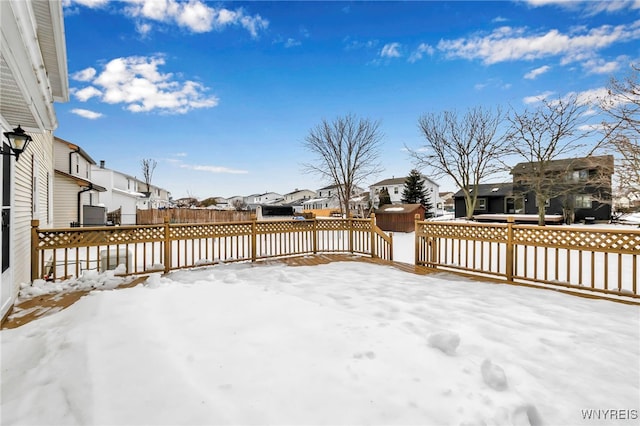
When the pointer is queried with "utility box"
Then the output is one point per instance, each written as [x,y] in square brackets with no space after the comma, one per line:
[110,259]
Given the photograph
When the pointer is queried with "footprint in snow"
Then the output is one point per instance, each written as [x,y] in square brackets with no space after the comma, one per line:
[493,375]
[446,341]
[368,354]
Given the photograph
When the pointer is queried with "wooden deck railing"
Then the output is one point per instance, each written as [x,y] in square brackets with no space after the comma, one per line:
[597,260]
[137,249]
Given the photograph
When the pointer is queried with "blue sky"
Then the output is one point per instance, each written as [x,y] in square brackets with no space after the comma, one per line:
[223,94]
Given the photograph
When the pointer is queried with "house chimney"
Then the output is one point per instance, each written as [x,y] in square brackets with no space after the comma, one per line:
[102,164]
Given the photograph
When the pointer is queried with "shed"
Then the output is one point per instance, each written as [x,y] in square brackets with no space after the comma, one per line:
[399,217]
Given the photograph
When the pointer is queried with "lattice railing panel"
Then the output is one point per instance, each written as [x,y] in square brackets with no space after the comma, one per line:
[211,230]
[579,239]
[278,227]
[332,225]
[362,225]
[50,239]
[494,233]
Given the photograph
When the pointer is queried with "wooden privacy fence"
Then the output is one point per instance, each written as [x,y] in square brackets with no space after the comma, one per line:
[158,216]
[597,260]
[137,249]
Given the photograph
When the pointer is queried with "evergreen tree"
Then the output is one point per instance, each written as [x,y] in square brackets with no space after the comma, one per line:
[385,198]
[414,191]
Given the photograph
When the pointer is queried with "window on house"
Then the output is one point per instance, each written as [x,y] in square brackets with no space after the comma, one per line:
[578,175]
[395,189]
[481,204]
[582,201]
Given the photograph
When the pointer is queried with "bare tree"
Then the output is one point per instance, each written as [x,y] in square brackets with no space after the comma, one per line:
[622,130]
[148,166]
[540,137]
[239,204]
[466,148]
[346,152]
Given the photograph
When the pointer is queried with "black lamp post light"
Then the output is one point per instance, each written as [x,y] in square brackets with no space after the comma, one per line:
[18,141]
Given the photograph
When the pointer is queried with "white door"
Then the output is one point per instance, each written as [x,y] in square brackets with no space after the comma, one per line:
[5,231]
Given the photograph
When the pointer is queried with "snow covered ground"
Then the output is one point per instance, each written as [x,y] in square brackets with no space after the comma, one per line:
[343,343]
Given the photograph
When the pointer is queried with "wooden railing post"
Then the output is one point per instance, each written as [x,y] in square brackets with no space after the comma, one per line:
[254,239]
[34,250]
[417,241]
[372,230]
[509,258]
[167,246]
[350,221]
[315,234]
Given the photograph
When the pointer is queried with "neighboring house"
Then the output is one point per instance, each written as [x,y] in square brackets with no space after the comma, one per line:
[327,198]
[395,187]
[399,217]
[76,202]
[448,203]
[250,200]
[120,192]
[493,198]
[268,198]
[154,196]
[579,188]
[222,204]
[331,202]
[297,195]
[33,66]
[360,205]
[332,190]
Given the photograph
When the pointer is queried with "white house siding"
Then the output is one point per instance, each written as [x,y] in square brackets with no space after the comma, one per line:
[127,206]
[120,193]
[65,202]
[61,157]
[303,194]
[22,212]
[34,75]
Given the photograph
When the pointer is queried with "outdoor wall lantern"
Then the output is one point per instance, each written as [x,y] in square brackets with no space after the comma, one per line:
[18,141]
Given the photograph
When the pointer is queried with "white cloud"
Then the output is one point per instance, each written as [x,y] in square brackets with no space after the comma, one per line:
[499,19]
[590,97]
[291,42]
[600,66]
[85,75]
[537,98]
[590,6]
[422,49]
[91,115]
[391,50]
[213,169]
[87,93]
[511,44]
[533,74]
[143,28]
[253,24]
[357,45]
[92,4]
[194,15]
[137,83]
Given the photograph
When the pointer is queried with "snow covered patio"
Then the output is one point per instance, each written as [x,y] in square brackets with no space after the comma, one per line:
[340,343]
